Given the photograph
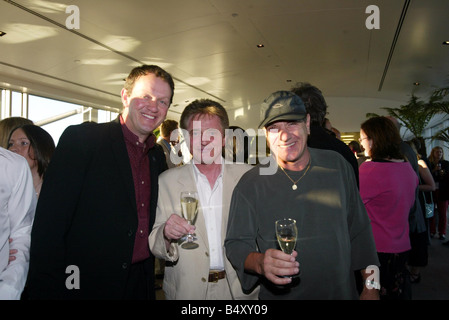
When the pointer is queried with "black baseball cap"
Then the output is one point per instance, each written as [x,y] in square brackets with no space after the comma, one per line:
[282,106]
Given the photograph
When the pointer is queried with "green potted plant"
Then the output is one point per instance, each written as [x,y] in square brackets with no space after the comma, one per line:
[416,114]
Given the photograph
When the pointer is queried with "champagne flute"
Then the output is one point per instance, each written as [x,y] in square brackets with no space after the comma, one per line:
[286,234]
[189,207]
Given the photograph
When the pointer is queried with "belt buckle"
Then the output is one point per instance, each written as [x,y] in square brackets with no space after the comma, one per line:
[215,276]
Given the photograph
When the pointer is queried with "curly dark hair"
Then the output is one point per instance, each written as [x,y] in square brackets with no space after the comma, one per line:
[314,101]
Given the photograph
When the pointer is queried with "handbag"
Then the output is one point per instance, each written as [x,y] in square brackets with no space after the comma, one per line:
[429,206]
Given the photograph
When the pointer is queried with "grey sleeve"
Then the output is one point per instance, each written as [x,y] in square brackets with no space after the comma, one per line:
[241,237]
[363,247]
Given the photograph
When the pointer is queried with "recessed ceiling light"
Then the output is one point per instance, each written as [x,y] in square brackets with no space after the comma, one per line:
[260,45]
[416,83]
[2,33]
[446,43]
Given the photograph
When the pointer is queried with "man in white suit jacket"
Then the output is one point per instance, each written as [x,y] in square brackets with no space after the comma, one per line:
[188,273]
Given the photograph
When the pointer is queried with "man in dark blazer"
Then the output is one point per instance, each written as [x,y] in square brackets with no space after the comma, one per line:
[98,201]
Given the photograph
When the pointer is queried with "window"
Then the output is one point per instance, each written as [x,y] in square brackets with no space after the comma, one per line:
[52,115]
[16,104]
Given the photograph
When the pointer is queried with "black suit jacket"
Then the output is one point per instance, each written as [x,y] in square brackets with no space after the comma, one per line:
[86,215]
[320,139]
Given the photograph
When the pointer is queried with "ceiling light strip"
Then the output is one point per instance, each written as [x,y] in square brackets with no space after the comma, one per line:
[395,39]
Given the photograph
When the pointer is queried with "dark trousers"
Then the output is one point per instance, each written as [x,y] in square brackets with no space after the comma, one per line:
[140,283]
[394,276]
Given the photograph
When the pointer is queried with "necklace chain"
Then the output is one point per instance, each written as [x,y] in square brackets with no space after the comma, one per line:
[294,186]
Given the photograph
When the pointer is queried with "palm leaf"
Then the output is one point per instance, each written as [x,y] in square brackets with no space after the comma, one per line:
[416,114]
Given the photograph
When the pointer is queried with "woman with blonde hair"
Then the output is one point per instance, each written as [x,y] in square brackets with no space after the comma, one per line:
[440,172]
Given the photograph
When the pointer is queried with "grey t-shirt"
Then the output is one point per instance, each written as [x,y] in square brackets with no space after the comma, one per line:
[334,231]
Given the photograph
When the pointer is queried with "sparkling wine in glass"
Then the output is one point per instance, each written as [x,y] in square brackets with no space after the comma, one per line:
[189,207]
[286,234]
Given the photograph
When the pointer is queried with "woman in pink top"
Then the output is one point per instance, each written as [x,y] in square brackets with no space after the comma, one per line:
[387,188]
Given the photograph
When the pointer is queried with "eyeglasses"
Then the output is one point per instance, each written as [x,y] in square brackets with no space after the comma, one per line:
[361,139]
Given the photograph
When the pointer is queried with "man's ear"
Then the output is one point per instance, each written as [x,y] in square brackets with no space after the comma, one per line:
[125,98]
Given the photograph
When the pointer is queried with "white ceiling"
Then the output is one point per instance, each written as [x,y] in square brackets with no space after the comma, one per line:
[209,46]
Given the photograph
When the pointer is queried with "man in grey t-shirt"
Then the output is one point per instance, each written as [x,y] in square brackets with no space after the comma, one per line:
[316,188]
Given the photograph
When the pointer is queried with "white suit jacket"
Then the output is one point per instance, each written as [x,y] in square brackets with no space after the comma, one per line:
[186,271]
[17,209]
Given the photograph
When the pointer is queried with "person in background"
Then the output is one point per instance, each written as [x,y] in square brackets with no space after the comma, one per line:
[203,273]
[315,187]
[336,132]
[319,137]
[387,188]
[17,208]
[98,201]
[357,151]
[328,126]
[168,142]
[416,219]
[440,172]
[9,124]
[418,257]
[236,147]
[37,146]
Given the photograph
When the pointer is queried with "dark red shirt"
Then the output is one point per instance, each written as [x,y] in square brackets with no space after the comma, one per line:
[140,165]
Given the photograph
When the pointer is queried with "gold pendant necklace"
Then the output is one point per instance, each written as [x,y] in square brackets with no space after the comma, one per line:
[294,186]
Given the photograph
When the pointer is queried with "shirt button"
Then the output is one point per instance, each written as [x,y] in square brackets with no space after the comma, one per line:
[143,204]
[143,182]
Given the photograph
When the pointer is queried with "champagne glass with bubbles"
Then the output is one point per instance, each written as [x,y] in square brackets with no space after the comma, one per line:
[189,207]
[286,234]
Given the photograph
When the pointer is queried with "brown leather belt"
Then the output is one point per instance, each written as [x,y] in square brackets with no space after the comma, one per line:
[214,276]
